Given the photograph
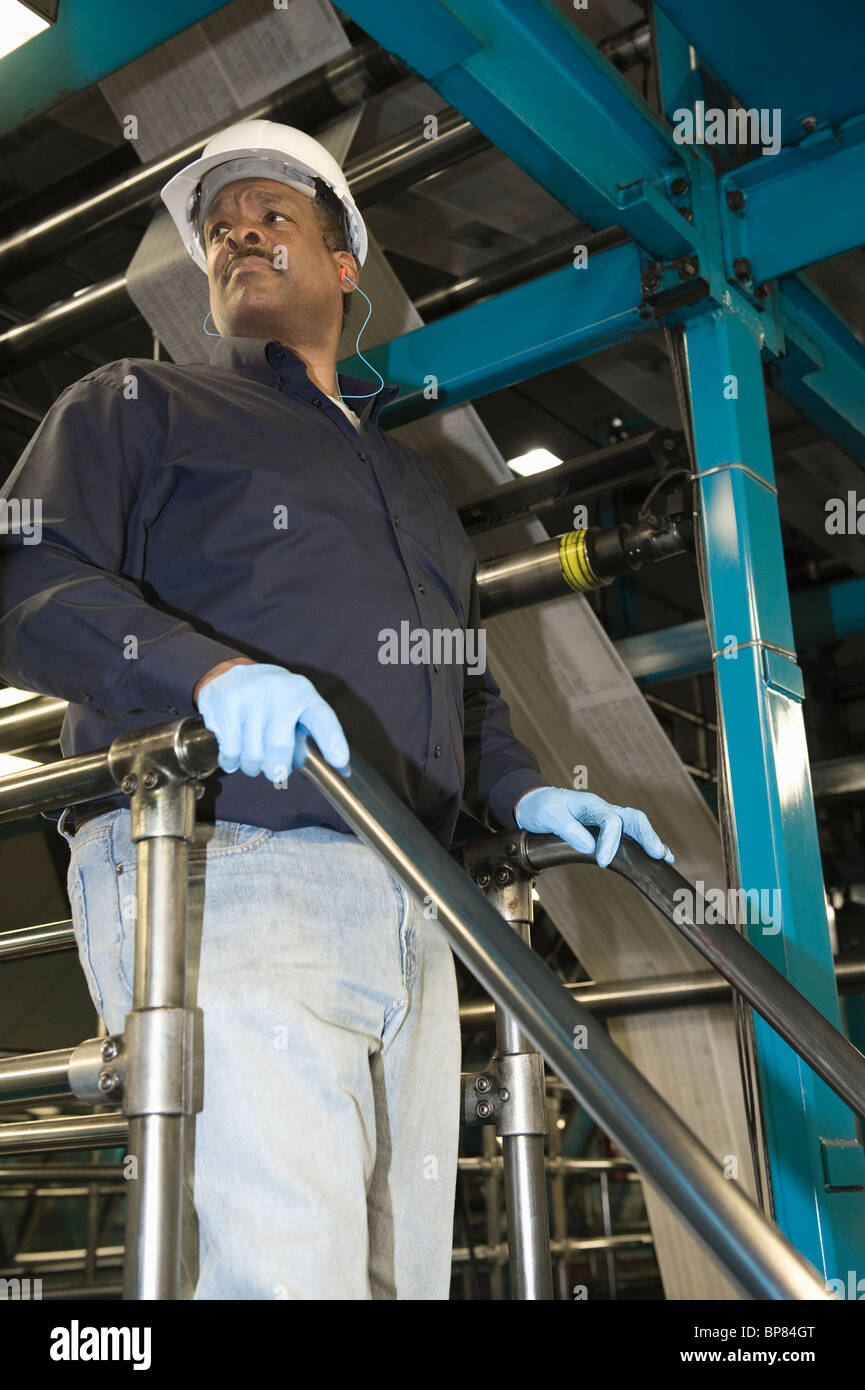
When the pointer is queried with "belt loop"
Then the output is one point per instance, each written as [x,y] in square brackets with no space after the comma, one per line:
[67,837]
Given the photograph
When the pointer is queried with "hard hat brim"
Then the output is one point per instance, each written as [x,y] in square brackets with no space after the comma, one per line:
[179,197]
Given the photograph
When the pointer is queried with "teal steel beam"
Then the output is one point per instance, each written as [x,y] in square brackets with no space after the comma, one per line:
[546,97]
[822,615]
[816,1161]
[802,205]
[822,368]
[526,81]
[815,1156]
[90,39]
[535,327]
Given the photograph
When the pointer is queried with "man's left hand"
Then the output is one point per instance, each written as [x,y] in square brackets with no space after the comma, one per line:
[559,811]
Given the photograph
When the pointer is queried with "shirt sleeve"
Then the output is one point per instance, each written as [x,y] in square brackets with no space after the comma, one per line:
[74,622]
[499,768]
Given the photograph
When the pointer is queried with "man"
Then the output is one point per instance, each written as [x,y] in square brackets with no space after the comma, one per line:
[231,537]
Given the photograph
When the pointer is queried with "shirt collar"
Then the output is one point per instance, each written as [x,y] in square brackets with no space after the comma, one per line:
[254,357]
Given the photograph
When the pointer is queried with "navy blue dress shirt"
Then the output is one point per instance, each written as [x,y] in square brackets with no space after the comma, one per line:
[196,513]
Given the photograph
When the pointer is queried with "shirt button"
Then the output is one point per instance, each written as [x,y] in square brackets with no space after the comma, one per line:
[395,519]
[421,587]
[316,400]
[363,457]
[438,750]
[435,668]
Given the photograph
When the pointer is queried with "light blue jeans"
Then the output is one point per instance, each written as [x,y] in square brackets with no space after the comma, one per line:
[323,1163]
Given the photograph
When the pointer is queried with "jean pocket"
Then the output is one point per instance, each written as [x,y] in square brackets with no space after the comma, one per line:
[251,836]
[226,838]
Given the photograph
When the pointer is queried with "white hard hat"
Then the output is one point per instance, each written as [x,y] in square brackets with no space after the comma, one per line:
[265,149]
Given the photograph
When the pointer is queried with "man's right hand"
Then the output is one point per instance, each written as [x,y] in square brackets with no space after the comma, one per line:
[254,710]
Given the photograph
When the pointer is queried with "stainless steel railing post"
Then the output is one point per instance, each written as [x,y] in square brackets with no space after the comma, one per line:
[521,1120]
[762,1262]
[162,1078]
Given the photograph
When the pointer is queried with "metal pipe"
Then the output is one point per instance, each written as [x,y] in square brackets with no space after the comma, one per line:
[37,941]
[492,1167]
[53,785]
[759,1260]
[36,1075]
[629,46]
[606,999]
[523,577]
[30,1189]
[88,311]
[66,1132]
[522,1132]
[523,265]
[31,723]
[838,777]
[52,1261]
[311,100]
[554,1163]
[832,1056]
[558,1205]
[37,721]
[396,163]
[680,713]
[157,1090]
[608,1232]
[572,1245]
[643,455]
[755,1256]
[75,1293]
[62,1172]
[568,564]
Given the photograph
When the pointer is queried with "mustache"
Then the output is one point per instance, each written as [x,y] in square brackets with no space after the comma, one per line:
[261,255]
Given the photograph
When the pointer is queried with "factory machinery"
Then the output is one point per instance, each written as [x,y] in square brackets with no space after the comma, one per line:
[714,258]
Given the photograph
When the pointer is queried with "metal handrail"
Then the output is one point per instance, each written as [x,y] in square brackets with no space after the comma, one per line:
[605,998]
[754,1254]
[827,1051]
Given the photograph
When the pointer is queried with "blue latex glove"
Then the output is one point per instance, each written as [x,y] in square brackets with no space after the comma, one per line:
[559,811]
[254,712]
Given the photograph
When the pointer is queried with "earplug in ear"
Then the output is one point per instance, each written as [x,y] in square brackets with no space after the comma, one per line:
[343,273]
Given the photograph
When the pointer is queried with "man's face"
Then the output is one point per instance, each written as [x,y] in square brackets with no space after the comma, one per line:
[270,273]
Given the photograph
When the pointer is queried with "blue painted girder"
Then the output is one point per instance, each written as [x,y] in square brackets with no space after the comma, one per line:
[825,614]
[535,327]
[90,39]
[811,1134]
[801,58]
[822,369]
[544,95]
[802,205]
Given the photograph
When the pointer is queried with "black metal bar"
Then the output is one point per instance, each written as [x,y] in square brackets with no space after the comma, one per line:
[759,1260]
[832,1056]
[641,456]
[753,1253]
